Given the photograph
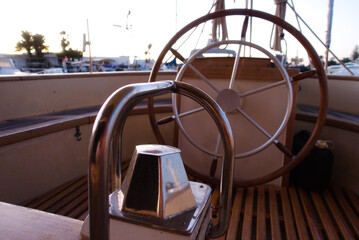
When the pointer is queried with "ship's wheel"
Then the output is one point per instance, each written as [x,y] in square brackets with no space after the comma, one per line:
[231,98]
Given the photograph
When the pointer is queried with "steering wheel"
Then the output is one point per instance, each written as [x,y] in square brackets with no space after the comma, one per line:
[230,98]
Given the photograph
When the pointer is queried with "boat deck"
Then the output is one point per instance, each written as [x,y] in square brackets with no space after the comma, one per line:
[263,212]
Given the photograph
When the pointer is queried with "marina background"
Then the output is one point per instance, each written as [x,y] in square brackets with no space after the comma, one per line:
[145,22]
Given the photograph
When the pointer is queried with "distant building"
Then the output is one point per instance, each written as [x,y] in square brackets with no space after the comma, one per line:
[141,64]
[22,61]
[124,60]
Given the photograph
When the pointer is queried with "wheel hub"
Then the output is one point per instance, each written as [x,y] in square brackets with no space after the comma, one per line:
[229,100]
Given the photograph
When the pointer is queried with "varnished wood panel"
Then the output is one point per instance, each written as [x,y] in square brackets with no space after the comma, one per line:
[249,69]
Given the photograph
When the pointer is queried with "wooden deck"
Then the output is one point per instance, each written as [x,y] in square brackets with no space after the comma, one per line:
[294,213]
[263,212]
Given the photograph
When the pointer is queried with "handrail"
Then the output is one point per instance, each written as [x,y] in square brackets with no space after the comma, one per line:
[109,125]
[338,77]
[46,77]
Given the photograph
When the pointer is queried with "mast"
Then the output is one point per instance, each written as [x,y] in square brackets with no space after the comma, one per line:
[89,43]
[329,32]
[278,36]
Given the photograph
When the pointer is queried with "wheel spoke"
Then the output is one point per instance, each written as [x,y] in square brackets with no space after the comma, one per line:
[251,120]
[261,89]
[304,75]
[278,144]
[244,28]
[284,149]
[171,118]
[298,77]
[177,55]
[235,67]
[236,61]
[215,159]
[204,78]
[194,69]
[165,120]
[218,143]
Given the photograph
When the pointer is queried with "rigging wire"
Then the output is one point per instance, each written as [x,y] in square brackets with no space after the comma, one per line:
[301,19]
[186,39]
[219,22]
[296,17]
[250,32]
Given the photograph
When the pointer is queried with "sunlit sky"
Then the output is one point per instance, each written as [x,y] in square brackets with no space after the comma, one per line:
[152,22]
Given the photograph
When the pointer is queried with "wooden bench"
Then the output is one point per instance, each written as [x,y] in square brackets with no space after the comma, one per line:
[17,130]
[335,119]
[263,212]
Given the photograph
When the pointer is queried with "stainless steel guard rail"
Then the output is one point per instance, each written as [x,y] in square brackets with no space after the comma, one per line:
[107,132]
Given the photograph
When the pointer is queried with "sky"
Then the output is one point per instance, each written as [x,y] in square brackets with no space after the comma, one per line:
[153,22]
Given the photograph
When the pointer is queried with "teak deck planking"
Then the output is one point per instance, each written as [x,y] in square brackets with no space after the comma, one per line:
[263,212]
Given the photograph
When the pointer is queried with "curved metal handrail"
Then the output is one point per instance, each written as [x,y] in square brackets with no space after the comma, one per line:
[109,125]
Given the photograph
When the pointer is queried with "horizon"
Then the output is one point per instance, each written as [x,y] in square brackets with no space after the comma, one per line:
[156,27]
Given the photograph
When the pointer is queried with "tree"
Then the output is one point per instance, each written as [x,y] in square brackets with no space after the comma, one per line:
[147,52]
[332,62]
[64,41]
[346,60]
[32,42]
[355,54]
[39,46]
[69,53]
[74,54]
[26,43]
